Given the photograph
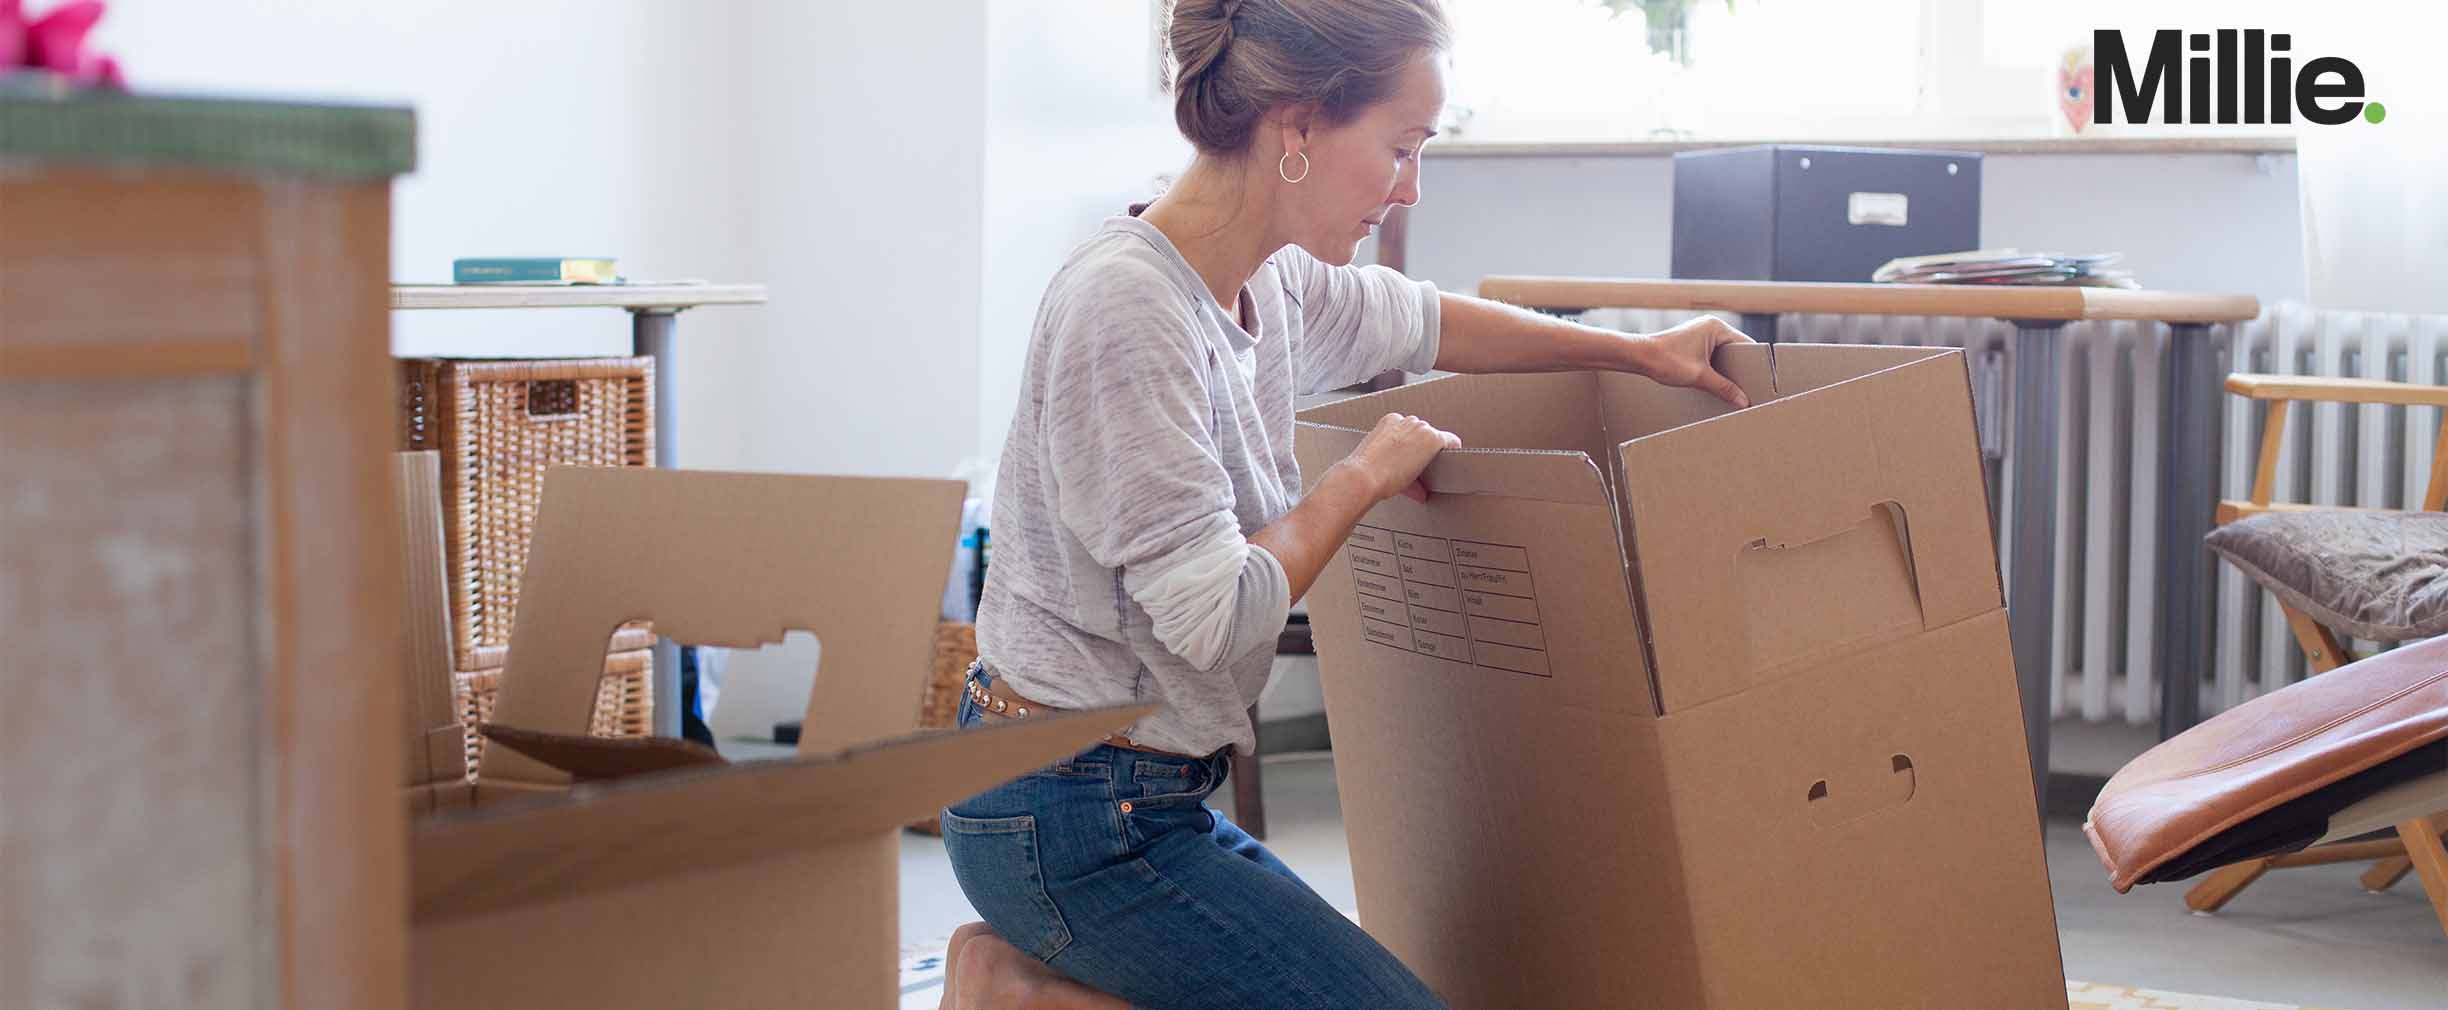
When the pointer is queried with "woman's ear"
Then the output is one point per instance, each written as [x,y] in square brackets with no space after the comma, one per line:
[1292,124]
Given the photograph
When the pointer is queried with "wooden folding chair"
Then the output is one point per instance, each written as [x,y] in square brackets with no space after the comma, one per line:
[2418,844]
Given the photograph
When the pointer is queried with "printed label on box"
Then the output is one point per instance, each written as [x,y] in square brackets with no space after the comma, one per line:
[1441,646]
[1433,596]
[1378,562]
[1443,622]
[1390,634]
[1383,610]
[1379,586]
[1434,573]
[1511,559]
[1456,600]
[1494,581]
[1513,633]
[1423,548]
[1372,539]
[1503,608]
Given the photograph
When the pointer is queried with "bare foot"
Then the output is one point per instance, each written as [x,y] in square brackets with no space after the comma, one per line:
[982,971]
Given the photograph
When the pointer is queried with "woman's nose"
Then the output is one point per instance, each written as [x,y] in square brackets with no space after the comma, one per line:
[1407,186]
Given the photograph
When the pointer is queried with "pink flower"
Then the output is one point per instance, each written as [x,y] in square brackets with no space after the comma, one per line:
[56,42]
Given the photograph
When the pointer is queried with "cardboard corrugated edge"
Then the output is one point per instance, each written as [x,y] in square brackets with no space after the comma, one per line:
[436,741]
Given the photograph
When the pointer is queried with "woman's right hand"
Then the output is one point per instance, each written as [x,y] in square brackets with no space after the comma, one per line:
[1395,452]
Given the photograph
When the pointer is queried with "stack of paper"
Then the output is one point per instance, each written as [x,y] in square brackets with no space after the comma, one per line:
[2006,266]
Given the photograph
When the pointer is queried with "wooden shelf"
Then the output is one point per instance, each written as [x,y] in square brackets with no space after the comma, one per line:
[563,296]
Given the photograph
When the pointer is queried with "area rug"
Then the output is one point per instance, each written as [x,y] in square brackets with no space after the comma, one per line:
[922,989]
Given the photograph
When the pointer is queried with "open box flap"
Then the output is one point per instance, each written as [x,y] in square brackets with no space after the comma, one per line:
[731,559]
[1548,475]
[602,836]
[1770,538]
[1497,411]
[590,758]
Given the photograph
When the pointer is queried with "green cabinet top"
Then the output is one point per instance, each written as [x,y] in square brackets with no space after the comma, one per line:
[46,124]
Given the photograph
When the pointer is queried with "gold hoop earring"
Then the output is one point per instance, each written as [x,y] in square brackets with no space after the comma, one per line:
[1288,176]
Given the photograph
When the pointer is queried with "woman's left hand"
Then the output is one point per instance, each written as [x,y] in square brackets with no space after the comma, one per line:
[1680,356]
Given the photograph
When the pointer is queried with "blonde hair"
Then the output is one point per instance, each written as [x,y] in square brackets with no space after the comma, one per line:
[1232,60]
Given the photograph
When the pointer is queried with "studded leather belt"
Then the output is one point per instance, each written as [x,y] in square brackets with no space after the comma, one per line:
[1002,702]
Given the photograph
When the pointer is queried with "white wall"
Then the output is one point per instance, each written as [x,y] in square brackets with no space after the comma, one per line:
[1076,131]
[2376,195]
[2199,222]
[867,141]
[832,151]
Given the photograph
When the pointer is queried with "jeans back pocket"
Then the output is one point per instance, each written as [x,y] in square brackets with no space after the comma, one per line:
[997,862]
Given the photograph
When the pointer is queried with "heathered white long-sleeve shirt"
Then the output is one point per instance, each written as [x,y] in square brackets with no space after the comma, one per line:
[1153,436]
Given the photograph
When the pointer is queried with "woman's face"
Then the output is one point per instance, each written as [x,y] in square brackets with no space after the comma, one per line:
[1362,169]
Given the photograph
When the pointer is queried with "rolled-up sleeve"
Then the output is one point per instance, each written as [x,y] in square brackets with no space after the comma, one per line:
[1356,321]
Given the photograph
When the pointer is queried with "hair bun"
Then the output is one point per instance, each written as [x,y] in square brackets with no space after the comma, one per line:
[1232,60]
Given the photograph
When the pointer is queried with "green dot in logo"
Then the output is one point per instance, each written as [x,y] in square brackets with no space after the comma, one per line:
[2374,112]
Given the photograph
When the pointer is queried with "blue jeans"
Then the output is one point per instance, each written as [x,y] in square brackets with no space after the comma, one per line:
[1109,867]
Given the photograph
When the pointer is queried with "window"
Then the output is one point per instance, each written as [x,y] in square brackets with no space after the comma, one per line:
[1528,70]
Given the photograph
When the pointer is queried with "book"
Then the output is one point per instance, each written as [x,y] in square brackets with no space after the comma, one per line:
[533,270]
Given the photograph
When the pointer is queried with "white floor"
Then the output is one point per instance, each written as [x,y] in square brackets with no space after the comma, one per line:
[2307,936]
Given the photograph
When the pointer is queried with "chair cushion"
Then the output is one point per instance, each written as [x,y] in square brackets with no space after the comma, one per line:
[2296,824]
[2266,753]
[2381,576]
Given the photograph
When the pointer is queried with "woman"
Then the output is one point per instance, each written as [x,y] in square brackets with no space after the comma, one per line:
[1151,529]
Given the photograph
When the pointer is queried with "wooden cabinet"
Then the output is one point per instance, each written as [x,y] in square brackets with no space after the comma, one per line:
[199,576]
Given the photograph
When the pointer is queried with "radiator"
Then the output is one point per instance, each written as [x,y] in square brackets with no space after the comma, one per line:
[2110,374]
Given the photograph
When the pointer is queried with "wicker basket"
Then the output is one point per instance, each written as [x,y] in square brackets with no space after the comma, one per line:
[624,700]
[955,648]
[499,425]
[939,707]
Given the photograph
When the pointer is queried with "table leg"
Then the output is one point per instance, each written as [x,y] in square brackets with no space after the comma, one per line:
[1760,326]
[2189,455]
[2032,597]
[1249,794]
[650,332]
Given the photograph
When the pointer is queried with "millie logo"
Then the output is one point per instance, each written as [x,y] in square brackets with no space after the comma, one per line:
[2164,85]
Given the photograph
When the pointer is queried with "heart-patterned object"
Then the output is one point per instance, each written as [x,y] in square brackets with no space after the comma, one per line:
[2074,95]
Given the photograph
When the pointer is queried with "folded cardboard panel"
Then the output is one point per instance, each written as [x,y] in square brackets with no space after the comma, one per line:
[436,741]
[1853,841]
[1697,708]
[612,873]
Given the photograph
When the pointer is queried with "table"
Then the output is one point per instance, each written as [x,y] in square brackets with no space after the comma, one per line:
[2188,446]
[653,310]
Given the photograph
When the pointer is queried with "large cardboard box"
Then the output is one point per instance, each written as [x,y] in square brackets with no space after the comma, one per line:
[646,873]
[1658,704]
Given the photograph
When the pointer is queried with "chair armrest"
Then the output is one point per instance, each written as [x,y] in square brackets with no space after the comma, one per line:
[2330,390]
